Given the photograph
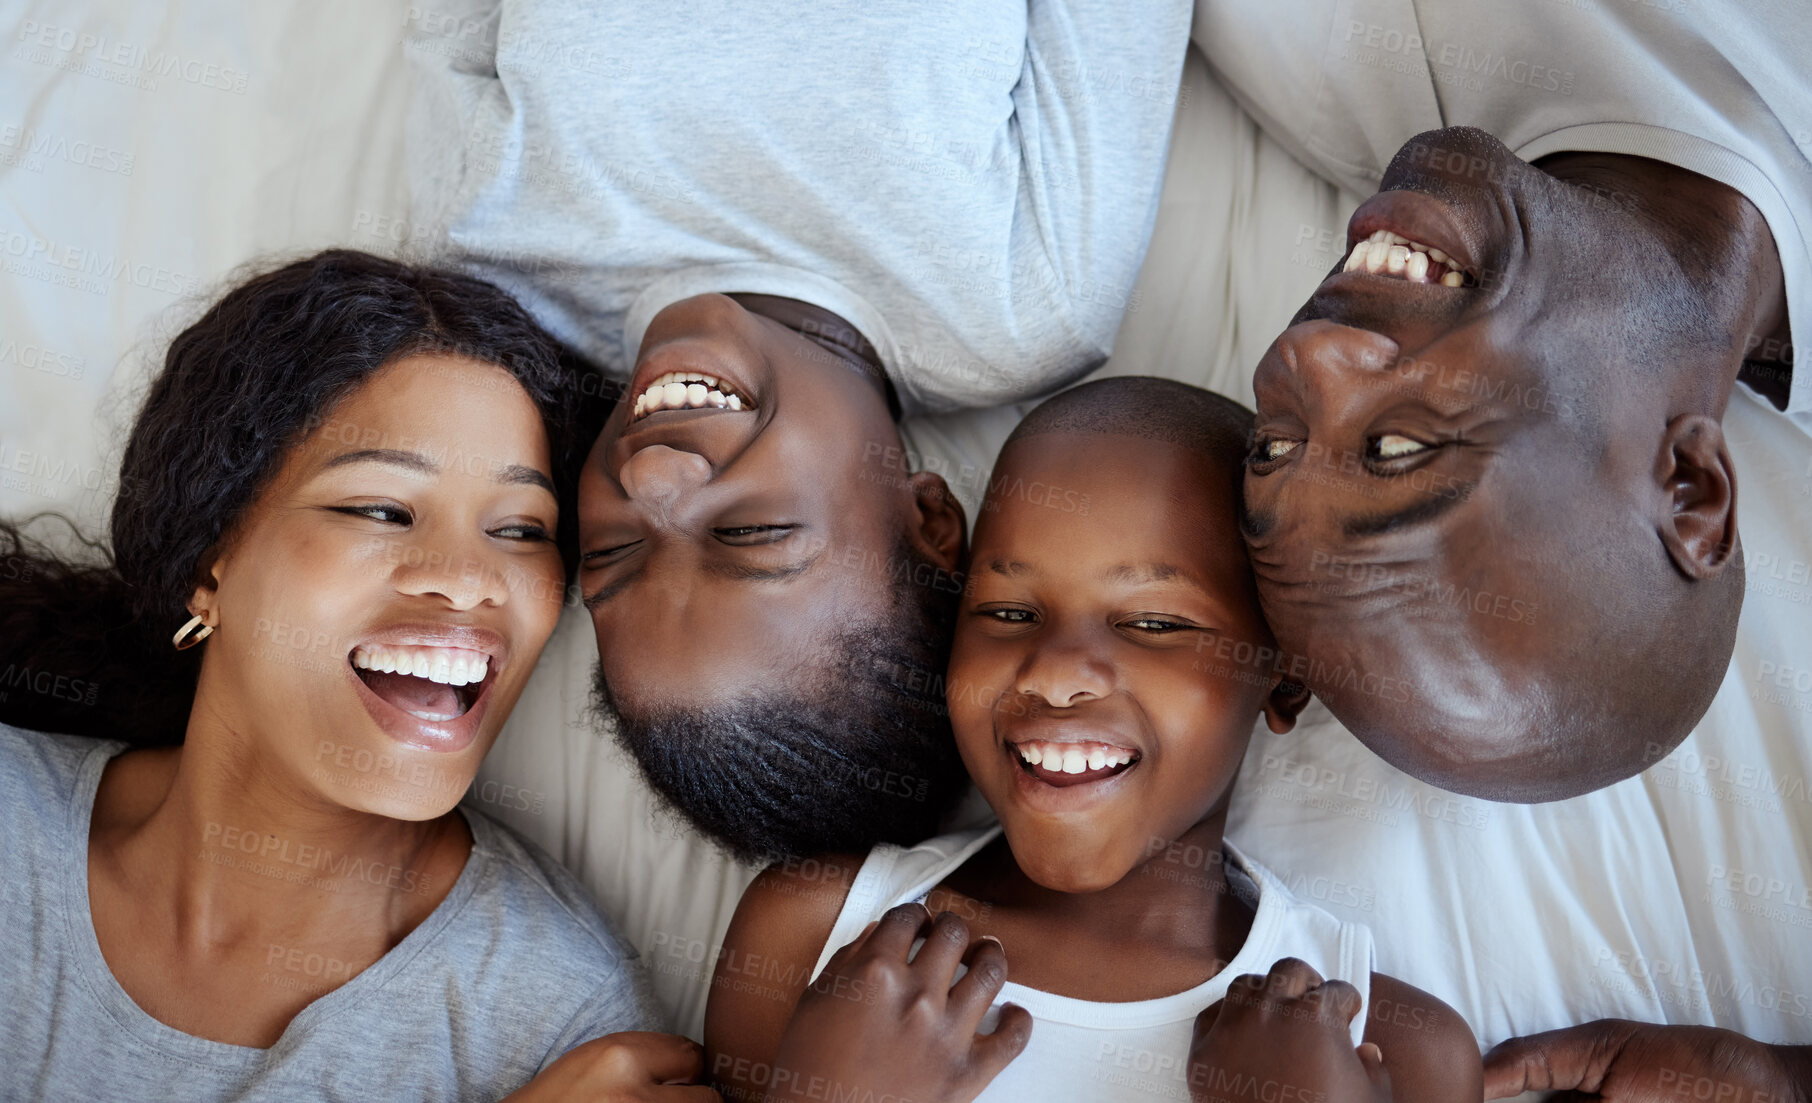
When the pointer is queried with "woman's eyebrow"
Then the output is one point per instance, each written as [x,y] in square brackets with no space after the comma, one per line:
[415,462]
[392,457]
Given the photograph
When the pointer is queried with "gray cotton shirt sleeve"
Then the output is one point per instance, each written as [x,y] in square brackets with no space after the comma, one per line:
[970,183]
[510,970]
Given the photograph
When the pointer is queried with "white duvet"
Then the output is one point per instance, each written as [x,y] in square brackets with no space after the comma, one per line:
[146,149]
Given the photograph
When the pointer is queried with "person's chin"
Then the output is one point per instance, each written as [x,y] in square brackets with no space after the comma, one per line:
[764,799]
[1509,766]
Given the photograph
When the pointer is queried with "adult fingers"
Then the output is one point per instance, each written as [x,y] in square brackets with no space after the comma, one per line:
[1575,1058]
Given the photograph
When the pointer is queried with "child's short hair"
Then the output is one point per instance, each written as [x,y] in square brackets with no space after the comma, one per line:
[1145,406]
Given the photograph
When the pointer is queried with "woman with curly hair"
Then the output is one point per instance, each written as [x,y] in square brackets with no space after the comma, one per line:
[238,870]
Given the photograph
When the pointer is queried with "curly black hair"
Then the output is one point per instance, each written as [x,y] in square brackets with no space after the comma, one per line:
[85,645]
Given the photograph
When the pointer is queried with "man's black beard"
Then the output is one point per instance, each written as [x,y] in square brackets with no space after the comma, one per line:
[782,777]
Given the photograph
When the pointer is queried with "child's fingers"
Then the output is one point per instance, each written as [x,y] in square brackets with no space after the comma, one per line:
[1290,978]
[658,1057]
[992,1052]
[1338,1000]
[850,949]
[943,951]
[1373,1059]
[1206,1018]
[971,996]
[897,930]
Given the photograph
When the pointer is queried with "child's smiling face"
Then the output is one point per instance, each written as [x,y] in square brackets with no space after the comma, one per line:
[1091,685]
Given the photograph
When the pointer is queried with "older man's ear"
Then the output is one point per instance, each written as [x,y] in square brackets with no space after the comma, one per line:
[1697,496]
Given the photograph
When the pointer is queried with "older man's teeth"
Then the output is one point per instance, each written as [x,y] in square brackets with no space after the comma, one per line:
[450,666]
[1385,253]
[688,391]
[1392,445]
[1073,758]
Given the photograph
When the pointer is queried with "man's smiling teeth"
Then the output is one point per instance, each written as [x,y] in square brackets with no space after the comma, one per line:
[1073,758]
[688,391]
[1391,445]
[450,666]
[1388,254]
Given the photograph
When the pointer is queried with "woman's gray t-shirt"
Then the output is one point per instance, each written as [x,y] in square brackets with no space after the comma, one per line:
[512,969]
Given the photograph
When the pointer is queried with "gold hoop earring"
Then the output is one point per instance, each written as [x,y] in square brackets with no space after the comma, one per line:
[183,640]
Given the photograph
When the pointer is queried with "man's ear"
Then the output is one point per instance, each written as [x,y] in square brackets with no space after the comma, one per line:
[939,530]
[1698,485]
[1286,702]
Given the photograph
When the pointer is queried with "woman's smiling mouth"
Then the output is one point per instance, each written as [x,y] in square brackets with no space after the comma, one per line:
[428,686]
[435,684]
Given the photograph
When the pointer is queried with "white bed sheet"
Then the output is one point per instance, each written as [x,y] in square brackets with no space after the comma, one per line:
[147,149]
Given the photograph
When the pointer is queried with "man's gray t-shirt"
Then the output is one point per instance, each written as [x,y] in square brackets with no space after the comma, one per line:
[512,969]
[971,184]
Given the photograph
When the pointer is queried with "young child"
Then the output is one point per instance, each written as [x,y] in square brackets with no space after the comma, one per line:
[1109,661]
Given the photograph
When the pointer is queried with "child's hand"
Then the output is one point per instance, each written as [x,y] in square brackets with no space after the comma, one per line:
[874,1025]
[1285,1037]
[618,1068]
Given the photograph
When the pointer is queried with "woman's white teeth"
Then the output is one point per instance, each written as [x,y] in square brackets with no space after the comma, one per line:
[452,666]
[1072,758]
[687,391]
[1385,253]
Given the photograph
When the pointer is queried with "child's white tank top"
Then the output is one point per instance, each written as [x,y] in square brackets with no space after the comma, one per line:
[1083,1050]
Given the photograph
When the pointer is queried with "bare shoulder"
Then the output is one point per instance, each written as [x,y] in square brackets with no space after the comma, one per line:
[1429,1050]
[780,927]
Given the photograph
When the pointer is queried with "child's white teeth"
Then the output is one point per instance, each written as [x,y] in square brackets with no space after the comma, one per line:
[1396,258]
[1416,267]
[1452,279]
[1071,758]
[451,666]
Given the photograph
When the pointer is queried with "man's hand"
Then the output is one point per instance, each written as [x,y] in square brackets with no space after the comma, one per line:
[627,1067]
[1641,1063]
[876,1025]
[1285,1037]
